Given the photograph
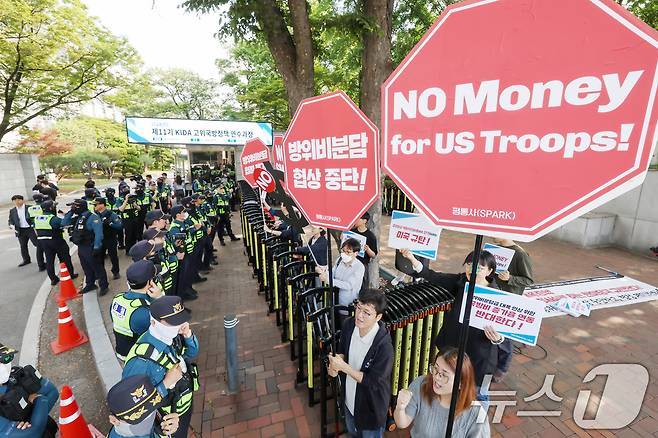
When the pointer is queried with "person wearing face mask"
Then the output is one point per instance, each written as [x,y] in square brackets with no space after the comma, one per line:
[195,219]
[133,404]
[152,251]
[87,234]
[130,310]
[426,403]
[163,195]
[482,345]
[48,227]
[223,201]
[90,198]
[27,395]
[130,209]
[164,353]
[348,273]
[168,258]
[111,226]
[183,237]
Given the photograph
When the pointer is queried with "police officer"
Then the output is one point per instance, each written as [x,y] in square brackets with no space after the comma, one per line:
[90,197]
[113,203]
[130,209]
[87,234]
[146,204]
[50,236]
[163,195]
[182,235]
[133,404]
[32,212]
[207,208]
[27,395]
[222,200]
[168,255]
[111,226]
[164,353]
[195,220]
[130,310]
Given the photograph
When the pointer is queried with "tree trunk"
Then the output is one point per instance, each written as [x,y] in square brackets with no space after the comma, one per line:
[376,65]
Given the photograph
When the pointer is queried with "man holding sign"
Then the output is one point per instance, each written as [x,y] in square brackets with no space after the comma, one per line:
[518,274]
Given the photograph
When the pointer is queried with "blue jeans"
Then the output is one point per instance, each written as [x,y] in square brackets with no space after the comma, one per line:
[351,428]
[482,395]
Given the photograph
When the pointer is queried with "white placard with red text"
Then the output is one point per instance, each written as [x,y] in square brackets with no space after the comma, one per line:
[502,255]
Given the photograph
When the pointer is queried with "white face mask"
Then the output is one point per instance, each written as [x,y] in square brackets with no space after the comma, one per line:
[165,333]
[143,428]
[346,258]
[5,370]
[186,216]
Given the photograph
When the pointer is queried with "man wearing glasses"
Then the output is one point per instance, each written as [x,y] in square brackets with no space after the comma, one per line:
[365,361]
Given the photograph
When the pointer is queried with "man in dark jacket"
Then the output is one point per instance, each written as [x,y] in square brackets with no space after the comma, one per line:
[365,362]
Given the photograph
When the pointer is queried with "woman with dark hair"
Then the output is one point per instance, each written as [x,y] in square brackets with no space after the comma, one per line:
[179,189]
[482,346]
[427,401]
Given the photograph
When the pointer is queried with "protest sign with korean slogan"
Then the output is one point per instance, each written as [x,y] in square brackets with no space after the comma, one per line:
[513,316]
[502,255]
[414,232]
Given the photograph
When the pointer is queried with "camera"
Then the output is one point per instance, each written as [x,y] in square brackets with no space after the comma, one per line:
[22,382]
[132,198]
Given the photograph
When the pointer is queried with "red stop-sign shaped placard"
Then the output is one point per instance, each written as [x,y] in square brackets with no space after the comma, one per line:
[512,117]
[331,161]
[254,154]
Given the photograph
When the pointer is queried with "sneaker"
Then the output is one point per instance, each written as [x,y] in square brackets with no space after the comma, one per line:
[116,276]
[103,291]
[88,288]
[54,282]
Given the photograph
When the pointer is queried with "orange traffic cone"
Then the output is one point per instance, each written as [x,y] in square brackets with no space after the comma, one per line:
[71,422]
[68,336]
[67,289]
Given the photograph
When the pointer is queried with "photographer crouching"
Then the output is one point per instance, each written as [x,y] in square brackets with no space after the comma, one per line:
[26,399]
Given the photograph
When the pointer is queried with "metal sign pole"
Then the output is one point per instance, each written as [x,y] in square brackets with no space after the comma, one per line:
[463,333]
[333,297]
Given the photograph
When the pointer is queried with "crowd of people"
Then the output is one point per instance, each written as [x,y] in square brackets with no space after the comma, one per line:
[169,235]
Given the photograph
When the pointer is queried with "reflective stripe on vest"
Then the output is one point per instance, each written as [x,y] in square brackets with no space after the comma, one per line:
[122,310]
[42,226]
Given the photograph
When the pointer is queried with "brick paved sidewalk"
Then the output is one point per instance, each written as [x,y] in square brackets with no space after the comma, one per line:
[270,405]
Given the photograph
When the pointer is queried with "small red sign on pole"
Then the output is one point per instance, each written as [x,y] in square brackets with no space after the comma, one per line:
[254,154]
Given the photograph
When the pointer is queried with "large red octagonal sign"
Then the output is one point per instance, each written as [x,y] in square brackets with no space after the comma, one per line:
[331,161]
[254,154]
[511,117]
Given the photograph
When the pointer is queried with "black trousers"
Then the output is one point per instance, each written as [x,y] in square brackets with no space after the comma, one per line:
[197,255]
[110,248]
[207,250]
[59,248]
[224,227]
[92,266]
[132,231]
[183,424]
[26,235]
[120,238]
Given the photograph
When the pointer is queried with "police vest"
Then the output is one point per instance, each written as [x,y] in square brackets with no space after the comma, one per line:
[197,218]
[43,228]
[121,312]
[180,399]
[167,283]
[163,193]
[131,210]
[145,201]
[80,235]
[189,241]
[34,210]
[90,205]
[170,252]
[114,204]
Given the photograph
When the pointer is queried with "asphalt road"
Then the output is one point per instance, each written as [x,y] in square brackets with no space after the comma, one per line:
[18,286]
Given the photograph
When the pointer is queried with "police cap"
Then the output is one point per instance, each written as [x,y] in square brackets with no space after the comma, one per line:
[78,202]
[133,399]
[100,201]
[110,191]
[140,272]
[197,196]
[176,210]
[39,197]
[143,248]
[155,215]
[152,233]
[186,201]
[169,309]
[90,192]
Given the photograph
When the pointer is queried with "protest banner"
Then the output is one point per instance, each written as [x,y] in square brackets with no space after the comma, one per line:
[597,293]
[362,240]
[513,316]
[414,232]
[253,155]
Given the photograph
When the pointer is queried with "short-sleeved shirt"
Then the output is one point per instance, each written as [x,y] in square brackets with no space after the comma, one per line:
[430,419]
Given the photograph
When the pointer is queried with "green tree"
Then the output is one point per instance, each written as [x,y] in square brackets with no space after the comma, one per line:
[61,165]
[43,143]
[646,10]
[52,55]
[163,158]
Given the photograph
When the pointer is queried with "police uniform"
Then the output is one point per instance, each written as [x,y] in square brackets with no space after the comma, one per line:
[168,258]
[163,196]
[209,216]
[195,218]
[154,357]
[134,402]
[145,202]
[130,218]
[130,310]
[87,234]
[183,237]
[33,211]
[50,236]
[224,215]
[113,203]
[90,198]
[39,410]
[111,226]
[145,250]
